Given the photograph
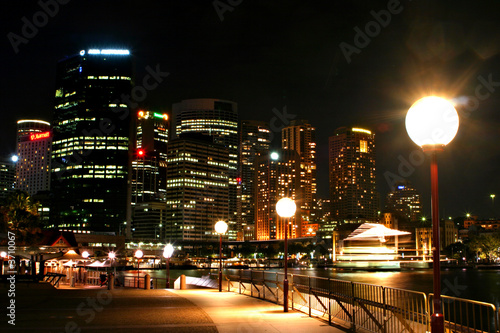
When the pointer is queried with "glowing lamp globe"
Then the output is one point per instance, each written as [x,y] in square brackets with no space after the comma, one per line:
[432,121]
[221,227]
[85,254]
[138,254]
[286,207]
[168,251]
[111,255]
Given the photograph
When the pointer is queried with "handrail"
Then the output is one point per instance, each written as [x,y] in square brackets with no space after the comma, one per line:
[366,306]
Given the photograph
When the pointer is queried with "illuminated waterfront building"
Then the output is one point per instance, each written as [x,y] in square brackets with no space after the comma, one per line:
[352,174]
[300,137]
[34,140]
[255,141]
[149,172]
[91,126]
[277,177]
[218,119]
[197,188]
[404,199]
[7,177]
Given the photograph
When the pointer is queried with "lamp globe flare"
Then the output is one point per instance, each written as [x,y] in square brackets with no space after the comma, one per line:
[168,251]
[286,207]
[432,121]
[221,227]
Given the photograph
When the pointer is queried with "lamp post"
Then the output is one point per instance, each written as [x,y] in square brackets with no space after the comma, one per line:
[138,254]
[167,253]
[220,228]
[112,256]
[85,255]
[432,122]
[3,255]
[285,208]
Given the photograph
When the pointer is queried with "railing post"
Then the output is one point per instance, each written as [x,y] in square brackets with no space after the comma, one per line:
[329,302]
[353,308]
[309,285]
[251,283]
[384,309]
[291,288]
[277,289]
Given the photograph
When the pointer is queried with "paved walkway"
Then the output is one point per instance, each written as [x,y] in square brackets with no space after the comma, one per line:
[94,309]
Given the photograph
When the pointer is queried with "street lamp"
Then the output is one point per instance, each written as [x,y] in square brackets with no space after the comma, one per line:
[220,228]
[85,255]
[138,254]
[3,255]
[167,253]
[285,207]
[432,122]
[112,256]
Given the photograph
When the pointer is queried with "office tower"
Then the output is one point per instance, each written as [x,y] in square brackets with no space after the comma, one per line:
[149,172]
[300,137]
[404,200]
[90,149]
[352,174]
[277,176]
[254,142]
[197,188]
[34,140]
[7,177]
[149,163]
[219,119]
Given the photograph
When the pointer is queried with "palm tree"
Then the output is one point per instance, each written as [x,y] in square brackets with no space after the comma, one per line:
[20,216]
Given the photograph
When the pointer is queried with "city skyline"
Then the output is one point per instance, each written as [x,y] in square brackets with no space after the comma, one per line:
[294,60]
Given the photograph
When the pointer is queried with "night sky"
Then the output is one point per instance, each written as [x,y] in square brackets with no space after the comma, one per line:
[272,55]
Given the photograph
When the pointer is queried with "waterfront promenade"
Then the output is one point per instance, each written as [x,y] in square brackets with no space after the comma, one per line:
[42,308]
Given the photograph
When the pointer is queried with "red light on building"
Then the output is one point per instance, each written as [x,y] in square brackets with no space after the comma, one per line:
[39,136]
[141,153]
[140,114]
[238,180]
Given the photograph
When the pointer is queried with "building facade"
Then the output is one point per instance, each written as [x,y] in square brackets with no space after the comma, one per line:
[352,174]
[197,188]
[218,119]
[7,177]
[255,141]
[90,149]
[34,140]
[405,200]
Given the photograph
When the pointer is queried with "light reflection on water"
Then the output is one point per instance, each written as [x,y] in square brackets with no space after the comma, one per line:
[480,285]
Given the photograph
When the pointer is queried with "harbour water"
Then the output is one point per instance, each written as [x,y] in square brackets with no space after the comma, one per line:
[476,284]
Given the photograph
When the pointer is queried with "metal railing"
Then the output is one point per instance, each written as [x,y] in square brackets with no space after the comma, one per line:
[364,306]
[464,315]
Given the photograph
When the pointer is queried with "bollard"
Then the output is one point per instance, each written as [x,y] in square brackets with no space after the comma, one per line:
[183,282]
[147,284]
[111,281]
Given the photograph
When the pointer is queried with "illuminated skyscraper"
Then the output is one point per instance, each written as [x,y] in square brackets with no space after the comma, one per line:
[197,188]
[255,141]
[149,163]
[7,177]
[300,137]
[90,149]
[34,140]
[352,174]
[405,200]
[277,177]
[218,119]
[149,173]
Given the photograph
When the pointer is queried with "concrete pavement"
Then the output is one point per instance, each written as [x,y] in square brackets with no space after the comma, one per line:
[42,308]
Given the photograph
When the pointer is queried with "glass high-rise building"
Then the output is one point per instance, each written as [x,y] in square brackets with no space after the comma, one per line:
[149,173]
[90,148]
[197,188]
[254,142]
[218,119]
[277,177]
[34,140]
[7,177]
[353,190]
[404,199]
